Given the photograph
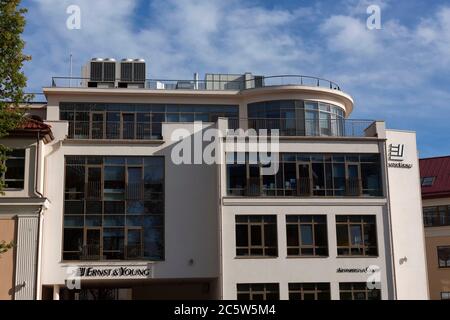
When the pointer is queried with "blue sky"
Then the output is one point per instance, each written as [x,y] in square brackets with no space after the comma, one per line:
[400,74]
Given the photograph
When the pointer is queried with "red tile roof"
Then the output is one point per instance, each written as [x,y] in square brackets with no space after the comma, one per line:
[439,168]
[32,124]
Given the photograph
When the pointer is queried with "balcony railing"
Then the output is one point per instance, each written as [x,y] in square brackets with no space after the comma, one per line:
[303,187]
[239,84]
[114,130]
[96,252]
[303,127]
[131,190]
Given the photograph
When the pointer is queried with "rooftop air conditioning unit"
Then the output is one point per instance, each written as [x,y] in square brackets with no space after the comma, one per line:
[132,73]
[99,73]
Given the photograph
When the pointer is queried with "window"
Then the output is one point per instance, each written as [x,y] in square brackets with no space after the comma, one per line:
[309,291]
[297,117]
[258,291]
[135,121]
[445,295]
[114,208]
[256,236]
[358,291]
[356,235]
[307,235]
[427,181]
[306,175]
[15,169]
[444,256]
[436,216]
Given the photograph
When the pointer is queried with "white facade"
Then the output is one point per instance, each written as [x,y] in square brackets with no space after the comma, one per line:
[199,215]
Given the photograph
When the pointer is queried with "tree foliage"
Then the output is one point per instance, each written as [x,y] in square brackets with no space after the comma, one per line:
[12,79]
[4,246]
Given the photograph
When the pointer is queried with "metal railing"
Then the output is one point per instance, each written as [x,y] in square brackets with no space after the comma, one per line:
[113,130]
[211,84]
[351,187]
[131,190]
[302,127]
[126,252]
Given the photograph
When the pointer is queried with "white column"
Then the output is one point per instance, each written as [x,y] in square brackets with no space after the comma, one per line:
[26,257]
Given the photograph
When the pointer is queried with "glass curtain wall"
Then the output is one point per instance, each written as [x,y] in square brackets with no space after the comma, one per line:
[113,208]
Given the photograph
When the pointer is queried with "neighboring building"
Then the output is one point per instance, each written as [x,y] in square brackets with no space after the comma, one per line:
[133,224]
[21,209]
[435,180]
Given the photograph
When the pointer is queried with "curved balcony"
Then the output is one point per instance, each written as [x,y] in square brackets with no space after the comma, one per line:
[232,82]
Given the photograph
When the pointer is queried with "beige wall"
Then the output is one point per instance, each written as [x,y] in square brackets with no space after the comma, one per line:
[438,278]
[7,233]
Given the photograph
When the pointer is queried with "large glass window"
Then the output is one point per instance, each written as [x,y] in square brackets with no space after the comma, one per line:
[309,291]
[358,291]
[297,117]
[356,235]
[135,121]
[306,235]
[15,169]
[305,175]
[256,235]
[258,291]
[114,208]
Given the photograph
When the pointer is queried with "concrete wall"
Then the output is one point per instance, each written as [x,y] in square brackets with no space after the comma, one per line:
[406,219]
[190,210]
[285,270]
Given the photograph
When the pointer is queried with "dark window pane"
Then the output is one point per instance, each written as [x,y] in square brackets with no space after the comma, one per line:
[256,235]
[73,239]
[342,235]
[241,235]
[292,235]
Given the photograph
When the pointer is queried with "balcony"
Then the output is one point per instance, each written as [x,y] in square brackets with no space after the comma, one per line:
[131,190]
[301,187]
[110,130]
[240,82]
[303,127]
[96,252]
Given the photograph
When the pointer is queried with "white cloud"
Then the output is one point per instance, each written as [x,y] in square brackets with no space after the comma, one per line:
[350,35]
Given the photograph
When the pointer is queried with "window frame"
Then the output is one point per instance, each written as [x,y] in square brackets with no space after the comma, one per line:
[353,291]
[252,291]
[326,163]
[301,246]
[363,248]
[261,224]
[428,184]
[302,290]
[446,264]
[4,174]
[84,199]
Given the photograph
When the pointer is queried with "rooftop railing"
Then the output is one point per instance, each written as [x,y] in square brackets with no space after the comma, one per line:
[240,83]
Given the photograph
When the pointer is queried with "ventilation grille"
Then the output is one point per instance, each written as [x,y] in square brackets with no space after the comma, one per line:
[139,72]
[109,71]
[96,71]
[126,71]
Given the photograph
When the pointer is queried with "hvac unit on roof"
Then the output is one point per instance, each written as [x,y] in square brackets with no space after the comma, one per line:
[100,73]
[132,73]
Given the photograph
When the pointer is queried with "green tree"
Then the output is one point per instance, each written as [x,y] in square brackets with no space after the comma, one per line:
[12,79]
